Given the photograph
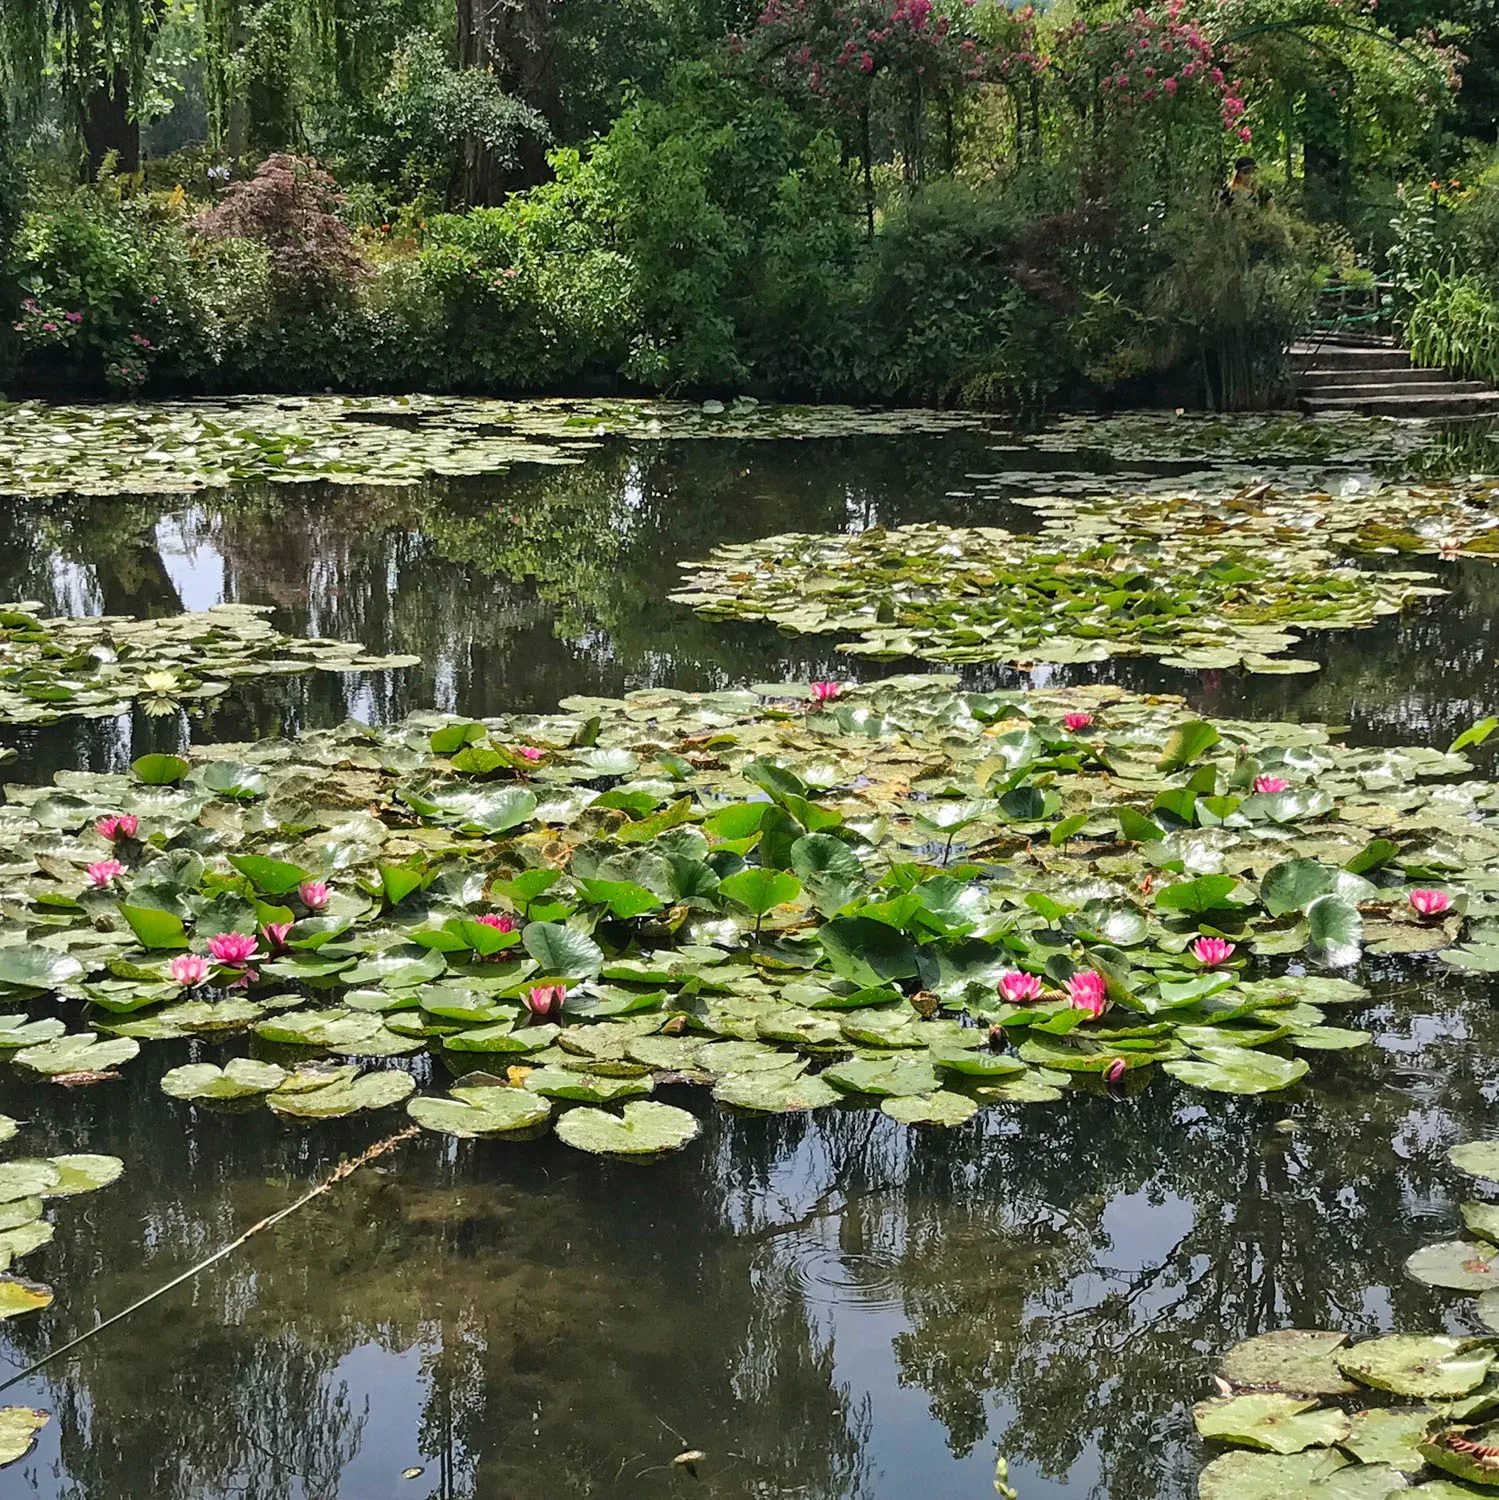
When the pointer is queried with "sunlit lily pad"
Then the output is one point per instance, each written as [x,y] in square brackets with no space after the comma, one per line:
[240,1078]
[82,1052]
[83,1174]
[481,1111]
[1389,1435]
[1463,1265]
[775,1091]
[369,1091]
[643,1128]
[22,1240]
[19,1426]
[1298,1360]
[18,1296]
[939,1108]
[1476,1158]
[1238,1071]
[1433,1367]
[1273,1422]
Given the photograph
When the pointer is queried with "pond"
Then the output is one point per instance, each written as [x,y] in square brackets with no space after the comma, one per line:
[826,1305]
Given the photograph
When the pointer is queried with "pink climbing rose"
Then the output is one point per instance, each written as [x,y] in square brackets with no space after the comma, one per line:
[1017,987]
[188,969]
[1271,784]
[233,949]
[1086,992]
[1210,951]
[103,871]
[1429,903]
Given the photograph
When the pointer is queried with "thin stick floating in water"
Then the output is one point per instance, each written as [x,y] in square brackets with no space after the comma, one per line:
[343,1170]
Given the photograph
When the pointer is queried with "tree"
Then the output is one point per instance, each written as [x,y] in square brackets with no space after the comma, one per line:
[103,46]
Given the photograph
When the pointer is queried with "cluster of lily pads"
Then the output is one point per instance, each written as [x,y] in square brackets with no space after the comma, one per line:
[191,445]
[901,893]
[1441,520]
[1283,1393]
[972,594]
[98,665]
[26,1184]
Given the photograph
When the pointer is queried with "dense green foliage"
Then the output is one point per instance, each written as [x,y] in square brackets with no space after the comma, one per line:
[885,199]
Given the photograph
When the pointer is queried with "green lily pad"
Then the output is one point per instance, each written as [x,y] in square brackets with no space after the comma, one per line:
[83,1174]
[775,1091]
[882,1078]
[644,1128]
[1477,1159]
[1267,1476]
[19,1426]
[584,1088]
[939,1108]
[241,1078]
[1236,1070]
[481,1111]
[22,1240]
[1299,1360]
[1463,1265]
[1432,1368]
[1273,1422]
[82,1052]
[369,1091]
[18,1296]
[1389,1435]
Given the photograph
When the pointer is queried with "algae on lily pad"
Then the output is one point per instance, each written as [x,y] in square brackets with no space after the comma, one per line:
[642,1128]
[1476,1158]
[1433,1367]
[1271,1421]
[1389,1435]
[83,1174]
[1298,1360]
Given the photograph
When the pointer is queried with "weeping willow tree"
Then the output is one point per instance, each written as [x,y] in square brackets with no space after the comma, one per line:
[101,48]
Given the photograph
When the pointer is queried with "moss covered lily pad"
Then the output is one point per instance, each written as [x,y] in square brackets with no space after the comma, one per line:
[1432,1367]
[1272,1422]
[1299,1360]
[1477,1159]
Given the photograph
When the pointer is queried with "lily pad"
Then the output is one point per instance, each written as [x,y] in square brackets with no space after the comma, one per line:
[481,1111]
[1273,1422]
[369,1091]
[1433,1368]
[643,1128]
[941,1107]
[1463,1265]
[1298,1360]
[19,1426]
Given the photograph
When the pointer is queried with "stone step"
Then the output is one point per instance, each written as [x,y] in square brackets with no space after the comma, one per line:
[1409,375]
[1349,358]
[1356,390]
[1401,404]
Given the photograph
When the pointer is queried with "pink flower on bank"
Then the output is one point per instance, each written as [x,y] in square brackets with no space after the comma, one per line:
[1115,1071]
[1271,784]
[73,317]
[1074,722]
[188,969]
[118,826]
[1017,987]
[49,327]
[1085,990]
[825,692]
[276,934]
[233,949]
[546,999]
[1430,903]
[1210,952]
[314,894]
[501,921]
[530,753]
[101,873]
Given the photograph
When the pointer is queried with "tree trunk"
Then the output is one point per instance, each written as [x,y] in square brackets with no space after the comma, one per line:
[512,40]
[108,125]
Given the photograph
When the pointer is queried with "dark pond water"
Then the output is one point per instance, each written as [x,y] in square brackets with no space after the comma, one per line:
[828,1307]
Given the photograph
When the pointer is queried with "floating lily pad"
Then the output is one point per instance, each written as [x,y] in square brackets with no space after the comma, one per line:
[83,1174]
[939,1108]
[370,1091]
[1268,1476]
[1432,1368]
[883,1077]
[1232,1070]
[481,1111]
[643,1128]
[1477,1159]
[81,1053]
[1298,1360]
[18,1296]
[1389,1435]
[1273,1422]
[775,1091]
[1463,1265]
[19,1426]
[22,1240]
[241,1078]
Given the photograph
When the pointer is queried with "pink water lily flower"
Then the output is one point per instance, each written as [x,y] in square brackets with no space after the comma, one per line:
[314,894]
[1073,722]
[1017,987]
[1271,784]
[546,999]
[234,949]
[1085,990]
[103,871]
[530,753]
[118,826]
[501,921]
[1430,903]
[1210,952]
[1115,1071]
[276,933]
[825,692]
[188,969]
